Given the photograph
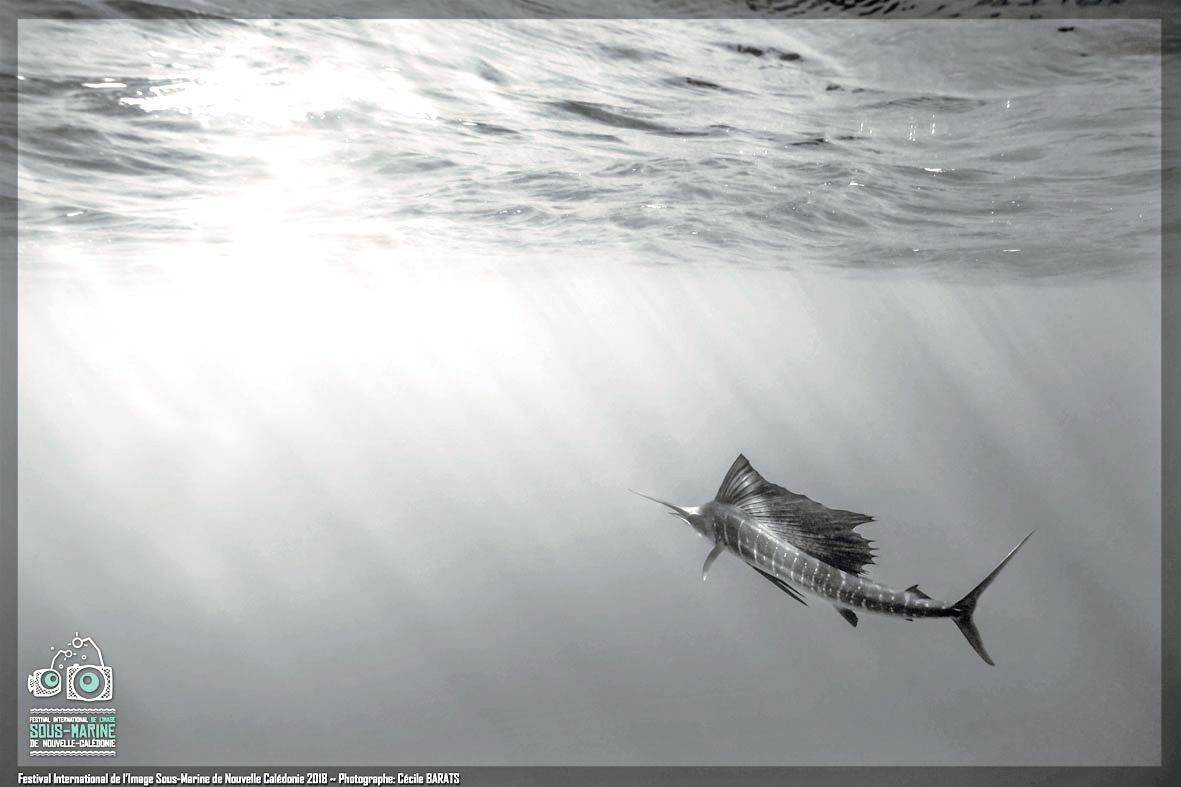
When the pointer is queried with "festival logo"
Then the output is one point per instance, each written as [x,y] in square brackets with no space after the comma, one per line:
[80,673]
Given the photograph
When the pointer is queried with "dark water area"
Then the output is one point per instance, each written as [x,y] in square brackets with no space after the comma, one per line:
[342,341]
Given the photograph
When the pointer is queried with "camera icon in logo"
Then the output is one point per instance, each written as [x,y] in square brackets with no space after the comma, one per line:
[45,682]
[89,683]
[86,676]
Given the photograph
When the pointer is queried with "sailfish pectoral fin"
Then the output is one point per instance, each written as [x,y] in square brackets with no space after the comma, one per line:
[718,549]
[786,588]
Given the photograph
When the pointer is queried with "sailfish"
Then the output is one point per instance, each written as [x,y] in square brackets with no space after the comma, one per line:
[802,546]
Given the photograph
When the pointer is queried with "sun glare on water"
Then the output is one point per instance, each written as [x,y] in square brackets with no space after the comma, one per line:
[287,266]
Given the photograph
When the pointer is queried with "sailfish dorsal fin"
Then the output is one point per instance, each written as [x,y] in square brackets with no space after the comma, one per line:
[823,532]
[915,589]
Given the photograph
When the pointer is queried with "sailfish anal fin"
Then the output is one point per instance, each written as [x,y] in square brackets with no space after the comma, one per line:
[824,533]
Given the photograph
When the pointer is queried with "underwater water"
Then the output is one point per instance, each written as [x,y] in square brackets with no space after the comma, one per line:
[341,343]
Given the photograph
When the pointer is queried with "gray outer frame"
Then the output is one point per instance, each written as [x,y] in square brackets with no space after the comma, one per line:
[1164,10]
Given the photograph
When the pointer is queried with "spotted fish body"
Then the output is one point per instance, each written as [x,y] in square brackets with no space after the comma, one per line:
[804,547]
[760,548]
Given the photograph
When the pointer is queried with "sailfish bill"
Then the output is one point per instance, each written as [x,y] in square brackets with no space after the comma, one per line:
[802,546]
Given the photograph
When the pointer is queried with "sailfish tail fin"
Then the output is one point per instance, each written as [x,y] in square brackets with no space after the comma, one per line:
[966,606]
